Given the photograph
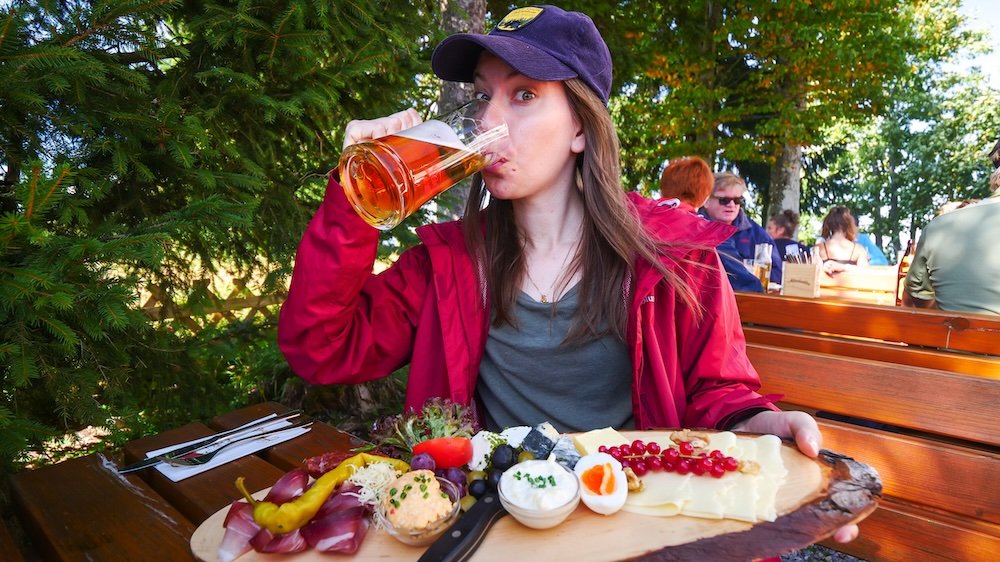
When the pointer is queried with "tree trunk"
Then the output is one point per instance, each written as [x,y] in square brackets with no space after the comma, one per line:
[458,16]
[704,137]
[786,181]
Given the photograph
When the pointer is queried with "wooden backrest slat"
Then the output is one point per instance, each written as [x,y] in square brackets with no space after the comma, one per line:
[974,365]
[963,406]
[974,333]
[82,509]
[902,532]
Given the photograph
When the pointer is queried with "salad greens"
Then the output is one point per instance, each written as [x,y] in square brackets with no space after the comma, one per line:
[439,417]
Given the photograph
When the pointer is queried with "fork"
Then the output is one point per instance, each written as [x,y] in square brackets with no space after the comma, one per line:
[208,452]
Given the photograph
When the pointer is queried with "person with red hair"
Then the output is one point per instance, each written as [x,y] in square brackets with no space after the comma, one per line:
[689,180]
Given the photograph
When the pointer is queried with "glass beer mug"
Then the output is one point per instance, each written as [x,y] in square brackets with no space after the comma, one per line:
[387,179]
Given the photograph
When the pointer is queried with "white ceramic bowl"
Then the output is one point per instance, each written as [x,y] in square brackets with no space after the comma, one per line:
[428,534]
[542,518]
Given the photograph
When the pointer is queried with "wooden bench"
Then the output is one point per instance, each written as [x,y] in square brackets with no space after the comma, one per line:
[8,546]
[914,393]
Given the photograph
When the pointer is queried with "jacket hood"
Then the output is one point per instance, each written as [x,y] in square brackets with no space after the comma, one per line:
[673,224]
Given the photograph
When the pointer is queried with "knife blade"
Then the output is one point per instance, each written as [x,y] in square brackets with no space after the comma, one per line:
[459,542]
[153,461]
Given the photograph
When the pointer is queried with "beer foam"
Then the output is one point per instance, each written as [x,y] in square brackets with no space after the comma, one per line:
[434,132]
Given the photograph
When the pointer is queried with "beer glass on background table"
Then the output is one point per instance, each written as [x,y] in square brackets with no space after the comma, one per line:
[387,179]
[762,264]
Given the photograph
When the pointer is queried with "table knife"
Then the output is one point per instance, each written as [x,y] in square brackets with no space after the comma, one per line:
[152,461]
[463,538]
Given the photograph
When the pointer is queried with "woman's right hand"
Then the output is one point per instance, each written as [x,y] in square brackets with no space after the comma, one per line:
[359,130]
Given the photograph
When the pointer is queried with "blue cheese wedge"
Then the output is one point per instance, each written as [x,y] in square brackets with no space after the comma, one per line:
[565,452]
[541,440]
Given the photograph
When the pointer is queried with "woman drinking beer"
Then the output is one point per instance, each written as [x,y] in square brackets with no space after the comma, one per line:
[558,297]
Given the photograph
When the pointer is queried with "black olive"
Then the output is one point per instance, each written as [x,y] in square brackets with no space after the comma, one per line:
[504,457]
[493,478]
[477,488]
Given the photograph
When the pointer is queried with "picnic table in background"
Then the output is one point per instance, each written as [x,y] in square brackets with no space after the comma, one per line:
[875,284]
[82,509]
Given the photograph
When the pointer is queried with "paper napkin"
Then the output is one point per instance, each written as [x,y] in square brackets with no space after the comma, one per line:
[232,452]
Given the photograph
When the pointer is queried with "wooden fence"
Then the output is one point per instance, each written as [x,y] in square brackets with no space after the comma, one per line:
[241,304]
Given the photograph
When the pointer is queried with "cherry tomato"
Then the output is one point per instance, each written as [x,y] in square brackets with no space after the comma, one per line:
[447,452]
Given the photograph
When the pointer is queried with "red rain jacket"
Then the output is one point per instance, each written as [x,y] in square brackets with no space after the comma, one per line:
[342,324]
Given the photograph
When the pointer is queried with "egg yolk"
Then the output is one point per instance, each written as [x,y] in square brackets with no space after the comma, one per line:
[599,479]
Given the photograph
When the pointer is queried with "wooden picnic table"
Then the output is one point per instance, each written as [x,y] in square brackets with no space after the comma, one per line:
[82,509]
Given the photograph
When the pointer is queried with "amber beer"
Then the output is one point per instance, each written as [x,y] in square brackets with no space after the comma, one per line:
[388,178]
[763,271]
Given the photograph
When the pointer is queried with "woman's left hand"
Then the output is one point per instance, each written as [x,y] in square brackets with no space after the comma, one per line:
[801,427]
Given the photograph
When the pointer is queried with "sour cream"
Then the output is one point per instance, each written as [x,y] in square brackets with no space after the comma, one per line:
[538,485]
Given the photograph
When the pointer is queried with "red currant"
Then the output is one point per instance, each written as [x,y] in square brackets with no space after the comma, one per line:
[653,448]
[671,454]
[638,447]
[717,454]
[602,449]
[731,464]
[639,468]
[683,466]
[669,466]
[685,448]
[626,463]
[654,463]
[718,471]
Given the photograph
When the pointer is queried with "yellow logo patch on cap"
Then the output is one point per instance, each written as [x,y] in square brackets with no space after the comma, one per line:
[519,18]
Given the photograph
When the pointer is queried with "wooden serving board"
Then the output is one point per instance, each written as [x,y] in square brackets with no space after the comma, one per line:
[817,497]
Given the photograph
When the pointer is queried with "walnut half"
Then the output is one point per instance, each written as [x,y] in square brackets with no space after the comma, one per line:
[635,483]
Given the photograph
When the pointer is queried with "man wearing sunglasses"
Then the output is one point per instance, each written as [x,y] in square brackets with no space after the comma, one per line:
[726,205]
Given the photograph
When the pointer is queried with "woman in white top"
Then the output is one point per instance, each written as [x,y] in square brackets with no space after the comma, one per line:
[838,249]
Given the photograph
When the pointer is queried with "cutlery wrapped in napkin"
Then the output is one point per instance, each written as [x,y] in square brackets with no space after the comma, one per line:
[235,451]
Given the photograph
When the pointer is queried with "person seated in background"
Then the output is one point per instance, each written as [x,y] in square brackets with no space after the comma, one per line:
[839,249]
[726,205]
[956,265]
[782,227]
[875,254]
[688,181]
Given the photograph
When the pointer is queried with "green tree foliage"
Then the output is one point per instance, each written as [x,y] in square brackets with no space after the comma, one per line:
[896,171]
[138,138]
[737,81]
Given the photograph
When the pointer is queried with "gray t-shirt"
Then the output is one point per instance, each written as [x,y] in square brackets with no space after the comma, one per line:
[527,377]
[957,261]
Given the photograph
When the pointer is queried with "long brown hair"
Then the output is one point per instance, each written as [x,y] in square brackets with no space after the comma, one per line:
[840,219]
[612,235]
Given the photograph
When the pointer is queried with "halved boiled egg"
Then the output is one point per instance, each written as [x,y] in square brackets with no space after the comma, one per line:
[603,487]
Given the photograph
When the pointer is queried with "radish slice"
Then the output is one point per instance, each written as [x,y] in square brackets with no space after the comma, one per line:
[290,486]
[345,497]
[341,531]
[285,543]
[240,528]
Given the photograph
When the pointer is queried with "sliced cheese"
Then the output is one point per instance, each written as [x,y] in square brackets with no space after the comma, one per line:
[662,488]
[589,442]
[710,497]
[665,510]
[741,496]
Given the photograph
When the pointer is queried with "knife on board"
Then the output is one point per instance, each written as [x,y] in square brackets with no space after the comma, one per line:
[463,538]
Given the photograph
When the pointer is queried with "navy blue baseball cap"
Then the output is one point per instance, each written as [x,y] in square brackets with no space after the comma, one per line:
[540,42]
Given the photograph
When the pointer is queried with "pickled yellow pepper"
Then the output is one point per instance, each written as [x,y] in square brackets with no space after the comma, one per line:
[292,515]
